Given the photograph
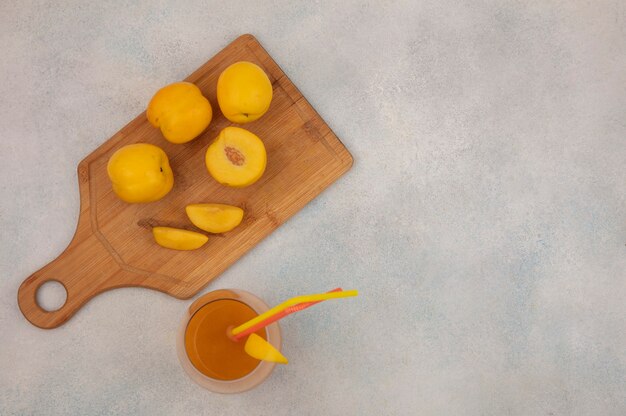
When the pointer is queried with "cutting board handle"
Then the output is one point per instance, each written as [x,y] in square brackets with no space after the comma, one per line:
[84,269]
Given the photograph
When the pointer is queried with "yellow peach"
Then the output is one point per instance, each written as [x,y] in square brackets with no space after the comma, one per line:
[236,157]
[180,111]
[244,92]
[140,172]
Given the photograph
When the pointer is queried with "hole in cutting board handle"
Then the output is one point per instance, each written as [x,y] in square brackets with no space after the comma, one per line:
[51,295]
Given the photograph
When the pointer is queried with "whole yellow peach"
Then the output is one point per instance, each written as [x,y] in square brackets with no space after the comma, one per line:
[180,111]
[140,172]
[244,92]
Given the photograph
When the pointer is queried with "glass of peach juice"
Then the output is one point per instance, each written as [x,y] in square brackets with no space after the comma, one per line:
[207,352]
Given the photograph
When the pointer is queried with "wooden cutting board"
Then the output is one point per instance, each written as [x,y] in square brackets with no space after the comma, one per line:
[113,245]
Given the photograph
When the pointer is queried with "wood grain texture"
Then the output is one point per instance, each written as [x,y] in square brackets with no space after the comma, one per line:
[113,245]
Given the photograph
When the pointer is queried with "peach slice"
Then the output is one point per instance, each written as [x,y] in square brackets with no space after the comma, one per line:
[214,218]
[236,157]
[260,349]
[178,239]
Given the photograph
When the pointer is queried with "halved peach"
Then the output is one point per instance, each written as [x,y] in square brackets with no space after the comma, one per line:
[178,239]
[214,218]
[236,157]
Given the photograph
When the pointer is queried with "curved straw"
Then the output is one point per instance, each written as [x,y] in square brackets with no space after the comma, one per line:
[290,306]
[273,318]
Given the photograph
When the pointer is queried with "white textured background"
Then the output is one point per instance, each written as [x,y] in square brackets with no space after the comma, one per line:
[484,220]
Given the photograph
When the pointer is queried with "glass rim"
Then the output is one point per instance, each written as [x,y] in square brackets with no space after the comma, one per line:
[254,377]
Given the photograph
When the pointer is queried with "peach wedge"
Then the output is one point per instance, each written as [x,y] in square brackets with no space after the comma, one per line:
[178,239]
[214,218]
